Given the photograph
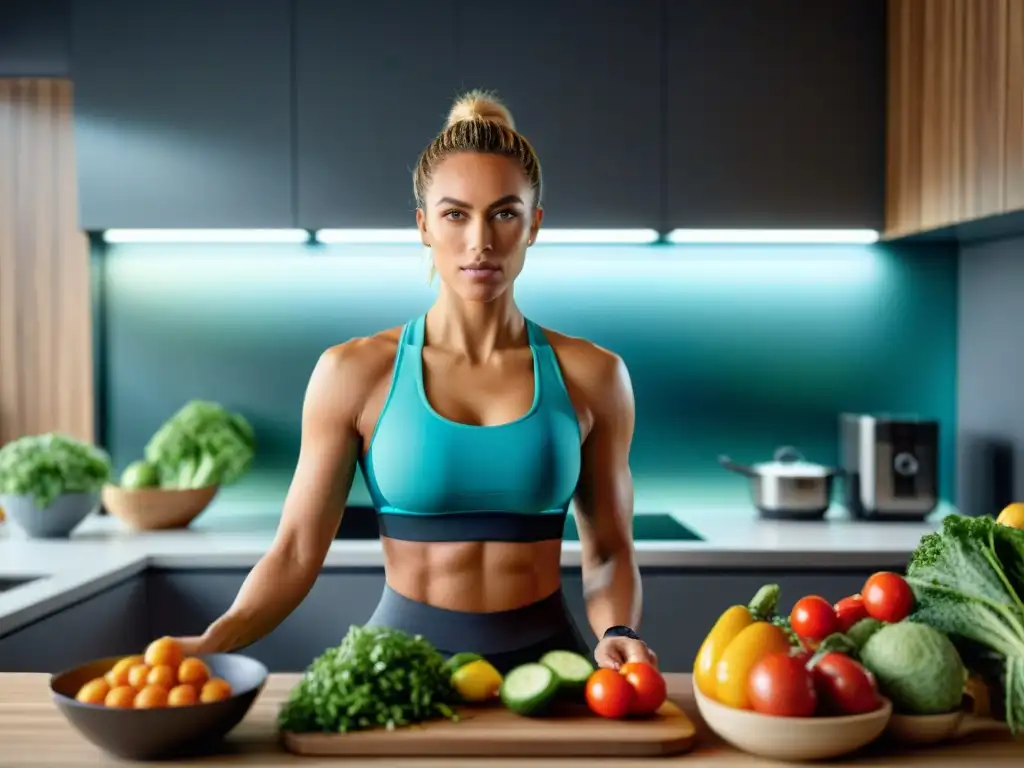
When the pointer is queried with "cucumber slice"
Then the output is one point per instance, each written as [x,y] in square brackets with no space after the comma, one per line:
[572,669]
[529,689]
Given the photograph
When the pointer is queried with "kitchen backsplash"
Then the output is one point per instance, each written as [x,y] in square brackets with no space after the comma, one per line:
[731,349]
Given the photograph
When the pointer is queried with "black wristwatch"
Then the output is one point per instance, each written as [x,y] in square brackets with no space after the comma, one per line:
[620,630]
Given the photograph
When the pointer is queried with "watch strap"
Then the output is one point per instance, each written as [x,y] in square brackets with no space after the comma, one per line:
[621,630]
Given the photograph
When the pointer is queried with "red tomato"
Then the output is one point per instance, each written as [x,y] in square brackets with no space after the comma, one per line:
[780,684]
[849,611]
[845,687]
[648,686]
[888,597]
[609,694]
[813,617]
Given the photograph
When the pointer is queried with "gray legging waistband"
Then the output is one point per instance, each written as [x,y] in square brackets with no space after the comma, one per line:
[453,631]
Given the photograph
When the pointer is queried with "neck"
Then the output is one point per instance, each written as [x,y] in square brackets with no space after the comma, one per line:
[475,329]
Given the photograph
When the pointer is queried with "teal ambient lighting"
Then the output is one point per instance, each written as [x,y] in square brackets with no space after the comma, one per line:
[731,349]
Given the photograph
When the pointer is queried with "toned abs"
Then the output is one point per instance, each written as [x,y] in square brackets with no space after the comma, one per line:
[467,576]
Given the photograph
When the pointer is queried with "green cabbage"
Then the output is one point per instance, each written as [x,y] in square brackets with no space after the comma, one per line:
[49,465]
[203,444]
[917,667]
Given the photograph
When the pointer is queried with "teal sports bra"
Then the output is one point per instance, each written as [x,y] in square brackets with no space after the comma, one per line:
[433,479]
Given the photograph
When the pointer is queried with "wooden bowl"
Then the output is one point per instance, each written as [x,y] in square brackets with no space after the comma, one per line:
[153,734]
[152,509]
[924,729]
[793,738]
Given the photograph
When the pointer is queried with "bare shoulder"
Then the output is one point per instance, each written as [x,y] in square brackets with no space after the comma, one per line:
[347,373]
[598,374]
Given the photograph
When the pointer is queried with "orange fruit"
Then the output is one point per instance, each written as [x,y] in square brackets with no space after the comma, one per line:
[151,697]
[182,696]
[193,671]
[137,676]
[122,697]
[215,689]
[162,675]
[164,650]
[118,674]
[93,692]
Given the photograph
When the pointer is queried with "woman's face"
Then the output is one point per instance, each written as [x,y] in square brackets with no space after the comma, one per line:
[478,219]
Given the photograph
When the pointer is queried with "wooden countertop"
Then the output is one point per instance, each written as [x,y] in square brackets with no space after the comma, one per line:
[33,733]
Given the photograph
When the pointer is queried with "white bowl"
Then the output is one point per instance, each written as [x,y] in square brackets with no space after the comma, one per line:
[793,738]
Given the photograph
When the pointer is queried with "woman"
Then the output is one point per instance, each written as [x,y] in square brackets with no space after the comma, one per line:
[474,429]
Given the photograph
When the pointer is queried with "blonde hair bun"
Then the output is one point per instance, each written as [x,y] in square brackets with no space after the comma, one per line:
[480,105]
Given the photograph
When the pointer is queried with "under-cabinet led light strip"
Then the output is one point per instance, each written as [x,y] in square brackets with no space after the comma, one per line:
[202,236]
[546,236]
[781,236]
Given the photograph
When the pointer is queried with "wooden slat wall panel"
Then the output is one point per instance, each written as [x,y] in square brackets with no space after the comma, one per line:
[1015,105]
[46,368]
[955,112]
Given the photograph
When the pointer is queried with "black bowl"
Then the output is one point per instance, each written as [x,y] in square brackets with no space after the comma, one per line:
[154,734]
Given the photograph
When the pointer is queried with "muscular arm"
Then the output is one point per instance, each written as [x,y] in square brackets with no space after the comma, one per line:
[312,509]
[604,499]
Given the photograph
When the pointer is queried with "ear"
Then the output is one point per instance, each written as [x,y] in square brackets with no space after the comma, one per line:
[421,225]
[538,217]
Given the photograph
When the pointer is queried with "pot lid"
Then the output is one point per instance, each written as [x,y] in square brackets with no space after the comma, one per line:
[789,462]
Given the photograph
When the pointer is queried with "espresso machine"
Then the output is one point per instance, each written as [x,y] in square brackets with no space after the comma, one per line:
[890,466]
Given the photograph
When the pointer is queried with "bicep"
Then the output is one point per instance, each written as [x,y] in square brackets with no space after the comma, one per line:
[604,495]
[328,454]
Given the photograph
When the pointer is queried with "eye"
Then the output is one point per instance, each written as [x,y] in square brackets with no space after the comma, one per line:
[452,215]
[507,215]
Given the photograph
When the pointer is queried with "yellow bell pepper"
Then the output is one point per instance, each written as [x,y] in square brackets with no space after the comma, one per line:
[748,647]
[735,619]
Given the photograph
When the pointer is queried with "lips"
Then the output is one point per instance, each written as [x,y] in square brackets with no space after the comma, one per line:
[482,266]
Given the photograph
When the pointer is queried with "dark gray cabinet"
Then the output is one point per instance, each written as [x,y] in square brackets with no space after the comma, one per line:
[113,623]
[583,81]
[775,113]
[183,113]
[373,84]
[34,38]
[185,602]
[680,607]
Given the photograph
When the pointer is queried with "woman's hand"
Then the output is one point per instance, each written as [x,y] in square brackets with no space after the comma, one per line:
[192,646]
[613,652]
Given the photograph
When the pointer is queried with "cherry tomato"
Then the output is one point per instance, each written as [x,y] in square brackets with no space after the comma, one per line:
[845,687]
[780,684]
[888,597]
[813,617]
[849,611]
[609,694]
[649,690]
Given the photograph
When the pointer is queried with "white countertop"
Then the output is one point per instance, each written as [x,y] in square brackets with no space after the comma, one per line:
[102,552]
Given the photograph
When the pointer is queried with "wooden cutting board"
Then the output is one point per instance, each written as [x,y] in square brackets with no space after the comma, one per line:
[494,730]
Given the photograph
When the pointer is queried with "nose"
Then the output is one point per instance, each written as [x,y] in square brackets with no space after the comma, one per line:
[480,236]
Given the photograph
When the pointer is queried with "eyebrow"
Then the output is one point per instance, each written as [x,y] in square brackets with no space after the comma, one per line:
[501,201]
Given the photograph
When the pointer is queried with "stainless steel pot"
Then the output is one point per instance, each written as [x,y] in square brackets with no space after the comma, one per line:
[788,487]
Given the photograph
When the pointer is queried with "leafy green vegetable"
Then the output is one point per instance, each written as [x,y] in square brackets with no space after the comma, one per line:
[917,667]
[48,465]
[140,474]
[968,582]
[377,677]
[202,444]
